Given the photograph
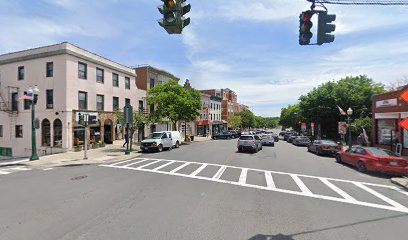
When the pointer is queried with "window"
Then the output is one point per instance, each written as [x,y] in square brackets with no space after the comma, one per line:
[82,100]
[45,133]
[99,75]
[27,103]
[49,69]
[211,106]
[19,131]
[127,101]
[151,83]
[127,83]
[50,98]
[99,102]
[57,133]
[141,108]
[115,80]
[1,130]
[14,101]
[115,103]
[21,73]
[82,70]
[386,130]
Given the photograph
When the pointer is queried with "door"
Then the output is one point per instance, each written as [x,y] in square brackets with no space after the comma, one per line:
[348,155]
[359,155]
[166,141]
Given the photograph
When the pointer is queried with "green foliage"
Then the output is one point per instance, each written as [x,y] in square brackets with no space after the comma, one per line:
[320,104]
[358,125]
[173,102]
[234,121]
[247,119]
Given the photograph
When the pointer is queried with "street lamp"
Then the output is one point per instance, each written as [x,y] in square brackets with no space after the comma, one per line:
[33,91]
[349,113]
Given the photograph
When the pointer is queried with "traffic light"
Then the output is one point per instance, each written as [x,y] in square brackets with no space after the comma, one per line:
[305,26]
[173,15]
[325,27]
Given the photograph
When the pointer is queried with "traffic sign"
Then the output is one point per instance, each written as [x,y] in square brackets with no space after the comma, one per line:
[404,96]
[404,124]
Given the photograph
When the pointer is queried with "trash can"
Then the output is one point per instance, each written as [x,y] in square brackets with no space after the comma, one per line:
[192,138]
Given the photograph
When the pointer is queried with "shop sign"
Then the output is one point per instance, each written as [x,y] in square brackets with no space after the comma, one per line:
[386,103]
[312,128]
[93,116]
[342,128]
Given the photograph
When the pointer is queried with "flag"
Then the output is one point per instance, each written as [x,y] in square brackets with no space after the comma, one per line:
[26,97]
[342,112]
[365,136]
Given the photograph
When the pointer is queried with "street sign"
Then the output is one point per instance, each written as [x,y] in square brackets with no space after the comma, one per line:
[404,124]
[342,128]
[404,96]
[303,127]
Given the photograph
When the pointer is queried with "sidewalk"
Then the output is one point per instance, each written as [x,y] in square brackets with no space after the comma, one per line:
[400,181]
[108,153]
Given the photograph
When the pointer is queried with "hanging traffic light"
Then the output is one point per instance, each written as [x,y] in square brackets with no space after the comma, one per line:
[325,27]
[305,26]
[173,20]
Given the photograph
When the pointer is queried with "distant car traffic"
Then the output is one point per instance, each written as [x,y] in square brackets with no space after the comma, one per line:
[275,137]
[301,141]
[223,135]
[293,136]
[374,159]
[324,147]
[267,139]
[235,133]
[249,142]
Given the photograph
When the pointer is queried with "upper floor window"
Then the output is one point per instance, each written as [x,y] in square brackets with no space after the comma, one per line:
[100,102]
[1,130]
[82,100]
[115,80]
[14,101]
[82,70]
[127,101]
[127,83]
[115,103]
[50,99]
[27,103]
[151,83]
[49,69]
[20,73]
[141,108]
[100,75]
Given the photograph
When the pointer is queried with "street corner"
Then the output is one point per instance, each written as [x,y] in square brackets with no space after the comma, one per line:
[401,181]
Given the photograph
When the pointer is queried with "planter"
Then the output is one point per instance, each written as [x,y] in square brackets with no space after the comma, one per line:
[78,148]
[102,144]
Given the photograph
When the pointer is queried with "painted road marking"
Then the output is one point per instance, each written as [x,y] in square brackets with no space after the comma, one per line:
[389,204]
[133,163]
[199,169]
[8,170]
[148,164]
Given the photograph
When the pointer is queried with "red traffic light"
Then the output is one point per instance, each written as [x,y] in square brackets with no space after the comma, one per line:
[307,16]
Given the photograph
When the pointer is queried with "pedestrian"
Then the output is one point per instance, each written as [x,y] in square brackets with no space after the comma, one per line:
[126,140]
[360,140]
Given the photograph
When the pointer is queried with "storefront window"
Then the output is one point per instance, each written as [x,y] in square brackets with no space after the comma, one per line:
[79,135]
[95,132]
[46,133]
[57,133]
[386,129]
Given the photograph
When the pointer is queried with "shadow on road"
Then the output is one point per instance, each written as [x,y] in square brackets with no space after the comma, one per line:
[281,236]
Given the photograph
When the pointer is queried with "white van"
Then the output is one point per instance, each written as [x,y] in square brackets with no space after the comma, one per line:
[161,140]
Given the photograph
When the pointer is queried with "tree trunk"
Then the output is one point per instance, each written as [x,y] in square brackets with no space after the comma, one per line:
[185,130]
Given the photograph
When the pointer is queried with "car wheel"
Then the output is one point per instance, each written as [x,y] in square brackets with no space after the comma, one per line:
[261,147]
[361,167]
[308,149]
[338,158]
[177,144]
[256,149]
[239,150]
[160,148]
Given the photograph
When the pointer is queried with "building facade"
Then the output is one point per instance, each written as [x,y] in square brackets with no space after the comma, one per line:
[71,81]
[147,78]
[388,110]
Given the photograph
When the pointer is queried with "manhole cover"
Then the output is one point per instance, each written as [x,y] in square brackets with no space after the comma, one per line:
[78,178]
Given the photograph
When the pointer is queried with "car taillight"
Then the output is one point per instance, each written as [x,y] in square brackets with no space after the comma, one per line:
[254,141]
[324,147]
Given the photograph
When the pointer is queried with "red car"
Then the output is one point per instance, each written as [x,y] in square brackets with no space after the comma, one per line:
[374,159]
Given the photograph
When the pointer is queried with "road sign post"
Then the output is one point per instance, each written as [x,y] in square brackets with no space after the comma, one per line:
[128,116]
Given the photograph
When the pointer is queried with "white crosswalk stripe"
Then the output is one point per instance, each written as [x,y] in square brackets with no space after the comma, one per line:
[8,170]
[305,189]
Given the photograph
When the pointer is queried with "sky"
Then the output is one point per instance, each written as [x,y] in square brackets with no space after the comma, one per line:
[250,47]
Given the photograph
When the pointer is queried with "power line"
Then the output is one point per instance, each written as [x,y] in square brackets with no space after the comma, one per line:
[362,2]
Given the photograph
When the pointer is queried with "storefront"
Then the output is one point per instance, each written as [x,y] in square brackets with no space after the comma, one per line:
[388,110]
[203,128]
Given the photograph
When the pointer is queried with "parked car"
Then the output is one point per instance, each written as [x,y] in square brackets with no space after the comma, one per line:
[301,141]
[223,135]
[235,133]
[275,137]
[293,136]
[249,142]
[287,136]
[158,141]
[267,139]
[282,134]
[374,159]
[321,147]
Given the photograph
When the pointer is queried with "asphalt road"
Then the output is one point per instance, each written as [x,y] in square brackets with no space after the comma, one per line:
[279,193]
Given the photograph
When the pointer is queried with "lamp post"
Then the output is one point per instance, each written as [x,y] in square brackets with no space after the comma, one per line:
[34,92]
[349,113]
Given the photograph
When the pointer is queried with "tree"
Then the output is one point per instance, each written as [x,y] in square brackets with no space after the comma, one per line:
[291,117]
[234,121]
[173,102]
[247,119]
[139,119]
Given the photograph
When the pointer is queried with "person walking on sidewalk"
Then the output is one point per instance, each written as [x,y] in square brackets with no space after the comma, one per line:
[126,140]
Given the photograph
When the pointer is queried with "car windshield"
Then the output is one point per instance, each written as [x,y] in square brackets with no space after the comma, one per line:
[155,136]
[246,137]
[266,136]
[328,142]
[378,152]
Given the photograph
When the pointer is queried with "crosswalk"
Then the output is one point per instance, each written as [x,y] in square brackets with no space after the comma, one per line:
[338,190]
[14,169]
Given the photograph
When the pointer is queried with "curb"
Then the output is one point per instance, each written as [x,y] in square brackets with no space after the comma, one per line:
[402,182]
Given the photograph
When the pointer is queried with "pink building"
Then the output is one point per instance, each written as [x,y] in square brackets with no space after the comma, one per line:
[71,80]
